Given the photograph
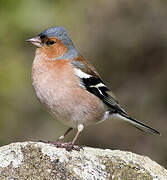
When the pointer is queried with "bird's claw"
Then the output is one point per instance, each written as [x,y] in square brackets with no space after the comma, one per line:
[67,145]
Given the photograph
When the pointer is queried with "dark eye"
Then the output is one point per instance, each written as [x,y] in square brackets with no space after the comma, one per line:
[50,42]
[42,36]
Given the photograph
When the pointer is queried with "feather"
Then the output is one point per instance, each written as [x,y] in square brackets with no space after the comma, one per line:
[139,125]
[92,82]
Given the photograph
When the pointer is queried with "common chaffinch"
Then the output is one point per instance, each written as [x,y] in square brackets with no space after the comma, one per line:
[70,87]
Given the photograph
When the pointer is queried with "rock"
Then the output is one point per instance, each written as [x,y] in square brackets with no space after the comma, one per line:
[30,160]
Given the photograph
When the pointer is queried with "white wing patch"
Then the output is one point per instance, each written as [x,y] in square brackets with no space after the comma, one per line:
[91,83]
[81,74]
[98,85]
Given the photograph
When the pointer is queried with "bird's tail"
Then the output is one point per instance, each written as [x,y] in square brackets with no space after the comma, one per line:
[135,123]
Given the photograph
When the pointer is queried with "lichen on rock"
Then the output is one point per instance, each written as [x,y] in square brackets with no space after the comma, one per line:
[30,160]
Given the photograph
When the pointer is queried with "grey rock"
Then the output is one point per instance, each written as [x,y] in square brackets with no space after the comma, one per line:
[30,160]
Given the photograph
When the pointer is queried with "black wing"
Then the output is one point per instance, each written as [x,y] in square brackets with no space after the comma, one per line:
[97,87]
[93,84]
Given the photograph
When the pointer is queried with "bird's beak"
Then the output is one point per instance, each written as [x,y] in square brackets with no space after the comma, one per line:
[36,41]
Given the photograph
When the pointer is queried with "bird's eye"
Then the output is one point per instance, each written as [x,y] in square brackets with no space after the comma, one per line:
[42,36]
[50,42]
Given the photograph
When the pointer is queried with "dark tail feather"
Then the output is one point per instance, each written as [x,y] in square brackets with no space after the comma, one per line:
[137,124]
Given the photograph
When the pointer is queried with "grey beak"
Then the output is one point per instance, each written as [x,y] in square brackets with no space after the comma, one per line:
[36,41]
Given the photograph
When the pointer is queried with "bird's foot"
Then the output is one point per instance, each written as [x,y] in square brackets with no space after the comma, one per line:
[69,146]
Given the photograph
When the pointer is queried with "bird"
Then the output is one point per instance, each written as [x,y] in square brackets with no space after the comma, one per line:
[70,88]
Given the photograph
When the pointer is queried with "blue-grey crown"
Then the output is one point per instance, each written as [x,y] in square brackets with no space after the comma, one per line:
[59,33]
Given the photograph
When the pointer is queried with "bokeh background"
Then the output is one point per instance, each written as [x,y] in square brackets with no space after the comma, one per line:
[125,40]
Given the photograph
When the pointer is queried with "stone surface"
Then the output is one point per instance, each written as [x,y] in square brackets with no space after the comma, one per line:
[30,160]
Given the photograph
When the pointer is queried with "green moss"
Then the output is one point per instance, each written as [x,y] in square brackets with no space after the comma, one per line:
[118,169]
[42,161]
[37,166]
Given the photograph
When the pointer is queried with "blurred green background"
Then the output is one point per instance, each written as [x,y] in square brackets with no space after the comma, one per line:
[125,40]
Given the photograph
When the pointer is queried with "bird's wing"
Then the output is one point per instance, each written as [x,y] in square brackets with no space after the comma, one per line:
[92,82]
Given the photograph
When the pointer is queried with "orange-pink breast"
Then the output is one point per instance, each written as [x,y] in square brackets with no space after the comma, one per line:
[58,88]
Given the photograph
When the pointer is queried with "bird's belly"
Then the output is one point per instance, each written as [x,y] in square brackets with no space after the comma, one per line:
[70,104]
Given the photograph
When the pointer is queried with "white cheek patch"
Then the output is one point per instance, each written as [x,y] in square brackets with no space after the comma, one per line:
[81,74]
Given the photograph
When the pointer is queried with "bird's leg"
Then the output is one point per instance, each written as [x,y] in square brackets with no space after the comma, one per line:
[80,129]
[62,137]
[70,146]
[59,140]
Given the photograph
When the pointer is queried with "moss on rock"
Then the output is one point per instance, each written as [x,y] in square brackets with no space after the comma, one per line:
[30,160]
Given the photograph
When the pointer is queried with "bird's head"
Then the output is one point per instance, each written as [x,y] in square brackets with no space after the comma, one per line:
[54,42]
